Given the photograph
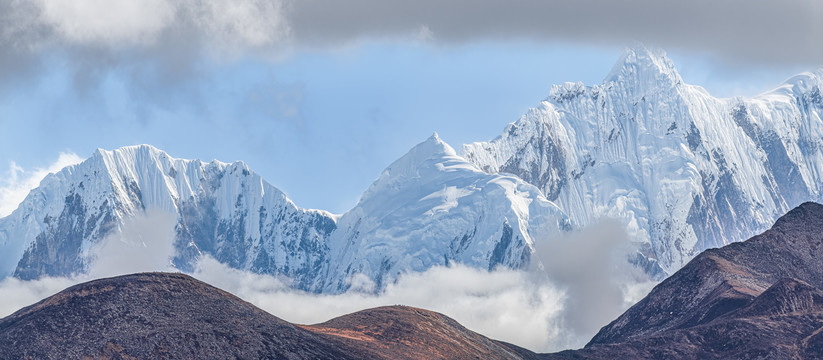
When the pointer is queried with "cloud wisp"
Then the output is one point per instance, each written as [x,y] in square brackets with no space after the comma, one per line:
[591,267]
[583,282]
[19,182]
[505,304]
[145,243]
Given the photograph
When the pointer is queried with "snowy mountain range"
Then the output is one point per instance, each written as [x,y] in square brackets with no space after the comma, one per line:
[430,207]
[684,171]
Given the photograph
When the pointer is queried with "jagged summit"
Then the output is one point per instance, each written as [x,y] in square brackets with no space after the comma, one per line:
[641,64]
[132,149]
[145,152]
[431,148]
[639,71]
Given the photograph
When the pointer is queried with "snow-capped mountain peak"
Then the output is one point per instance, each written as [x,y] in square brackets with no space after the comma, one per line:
[423,160]
[640,65]
[433,207]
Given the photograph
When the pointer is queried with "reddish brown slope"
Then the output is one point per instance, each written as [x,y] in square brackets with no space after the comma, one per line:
[402,332]
[757,299]
[173,316]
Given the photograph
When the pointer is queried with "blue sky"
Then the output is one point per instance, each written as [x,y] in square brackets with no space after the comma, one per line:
[322,115]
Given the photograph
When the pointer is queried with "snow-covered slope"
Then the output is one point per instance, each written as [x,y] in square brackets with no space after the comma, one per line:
[432,207]
[685,171]
[224,210]
[429,208]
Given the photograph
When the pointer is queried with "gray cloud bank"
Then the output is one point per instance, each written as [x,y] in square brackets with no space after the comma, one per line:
[157,43]
[180,31]
[757,30]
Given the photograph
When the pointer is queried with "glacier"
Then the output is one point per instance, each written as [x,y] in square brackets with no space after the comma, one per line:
[683,170]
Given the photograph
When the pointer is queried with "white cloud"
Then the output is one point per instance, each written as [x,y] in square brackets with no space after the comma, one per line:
[19,293]
[19,182]
[249,23]
[585,282]
[153,45]
[591,266]
[117,24]
[742,32]
[144,244]
[756,31]
[507,305]
[110,22]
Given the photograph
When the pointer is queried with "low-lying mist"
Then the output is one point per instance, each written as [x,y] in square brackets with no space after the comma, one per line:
[578,283]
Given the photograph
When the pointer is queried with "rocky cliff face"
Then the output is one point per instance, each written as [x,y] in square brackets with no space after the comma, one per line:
[683,170]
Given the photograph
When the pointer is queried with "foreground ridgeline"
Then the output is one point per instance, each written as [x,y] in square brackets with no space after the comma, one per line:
[759,298]
[174,316]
